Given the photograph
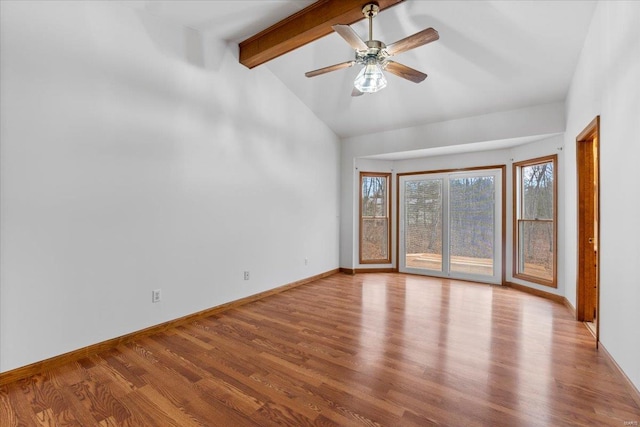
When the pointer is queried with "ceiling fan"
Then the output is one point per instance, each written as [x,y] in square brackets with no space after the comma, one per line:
[374,56]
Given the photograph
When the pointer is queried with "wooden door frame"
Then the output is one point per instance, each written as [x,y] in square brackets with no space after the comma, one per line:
[588,139]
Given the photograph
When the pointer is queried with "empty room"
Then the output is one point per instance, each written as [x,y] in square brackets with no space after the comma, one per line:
[330,213]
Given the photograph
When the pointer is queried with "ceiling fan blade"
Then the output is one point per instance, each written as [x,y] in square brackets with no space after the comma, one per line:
[356,92]
[329,68]
[405,72]
[351,37]
[418,39]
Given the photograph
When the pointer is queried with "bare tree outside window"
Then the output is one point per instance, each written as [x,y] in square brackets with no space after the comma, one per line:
[374,218]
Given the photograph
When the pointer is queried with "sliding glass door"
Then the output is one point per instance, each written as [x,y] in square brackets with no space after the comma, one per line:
[450,225]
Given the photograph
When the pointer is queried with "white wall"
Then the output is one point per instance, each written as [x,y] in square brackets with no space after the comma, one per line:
[132,159]
[606,83]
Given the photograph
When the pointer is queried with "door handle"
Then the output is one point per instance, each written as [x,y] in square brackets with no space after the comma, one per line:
[591,240]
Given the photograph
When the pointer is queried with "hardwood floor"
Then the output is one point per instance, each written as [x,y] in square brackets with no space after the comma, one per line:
[366,350]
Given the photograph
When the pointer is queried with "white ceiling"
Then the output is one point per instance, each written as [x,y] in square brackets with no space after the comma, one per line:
[492,56]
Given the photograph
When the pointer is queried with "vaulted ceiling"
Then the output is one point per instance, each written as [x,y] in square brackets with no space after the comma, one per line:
[492,56]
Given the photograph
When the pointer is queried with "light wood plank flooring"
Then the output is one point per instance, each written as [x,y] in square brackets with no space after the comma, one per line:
[367,350]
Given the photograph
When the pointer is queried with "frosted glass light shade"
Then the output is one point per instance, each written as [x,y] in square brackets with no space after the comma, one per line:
[370,79]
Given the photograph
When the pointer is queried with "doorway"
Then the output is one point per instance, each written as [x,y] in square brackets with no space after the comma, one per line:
[588,284]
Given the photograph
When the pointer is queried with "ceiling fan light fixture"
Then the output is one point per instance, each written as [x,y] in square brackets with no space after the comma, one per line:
[370,79]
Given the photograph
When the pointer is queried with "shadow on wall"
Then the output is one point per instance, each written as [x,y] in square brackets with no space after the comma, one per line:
[194,47]
[477,53]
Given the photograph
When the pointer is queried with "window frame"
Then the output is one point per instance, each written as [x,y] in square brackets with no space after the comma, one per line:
[387,177]
[517,219]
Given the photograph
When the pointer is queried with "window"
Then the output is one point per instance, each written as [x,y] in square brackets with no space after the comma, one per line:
[375,233]
[535,224]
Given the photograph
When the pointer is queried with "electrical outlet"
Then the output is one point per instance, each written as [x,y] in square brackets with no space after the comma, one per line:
[306,261]
[156,295]
[246,275]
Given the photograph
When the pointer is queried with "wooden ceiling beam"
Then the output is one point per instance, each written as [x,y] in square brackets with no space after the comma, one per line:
[311,23]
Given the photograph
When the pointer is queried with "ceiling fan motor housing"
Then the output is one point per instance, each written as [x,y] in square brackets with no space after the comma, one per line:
[376,52]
